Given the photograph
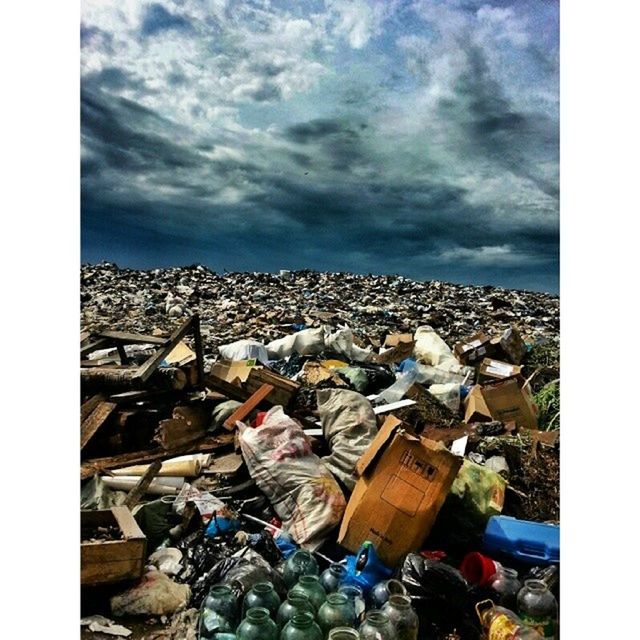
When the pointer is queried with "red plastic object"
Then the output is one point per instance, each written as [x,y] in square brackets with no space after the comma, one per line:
[433,555]
[478,569]
[259,419]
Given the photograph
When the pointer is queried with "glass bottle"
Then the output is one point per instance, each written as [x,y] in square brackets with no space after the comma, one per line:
[506,584]
[302,626]
[223,601]
[499,623]
[356,596]
[402,616]
[300,563]
[336,611]
[343,633]
[538,608]
[257,625]
[295,603]
[383,590]
[310,586]
[262,594]
[376,626]
[331,578]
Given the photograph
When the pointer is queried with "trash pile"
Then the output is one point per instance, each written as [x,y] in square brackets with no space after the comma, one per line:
[371,457]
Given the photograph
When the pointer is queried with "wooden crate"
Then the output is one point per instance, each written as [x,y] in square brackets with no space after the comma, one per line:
[107,561]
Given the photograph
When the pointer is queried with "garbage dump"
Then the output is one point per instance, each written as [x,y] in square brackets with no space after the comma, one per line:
[318,455]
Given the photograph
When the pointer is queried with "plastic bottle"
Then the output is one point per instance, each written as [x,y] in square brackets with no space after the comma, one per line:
[301,627]
[538,608]
[337,611]
[300,563]
[499,623]
[331,578]
[402,616]
[262,594]
[376,626]
[257,625]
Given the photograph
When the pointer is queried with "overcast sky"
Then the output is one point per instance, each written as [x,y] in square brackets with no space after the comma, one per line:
[411,137]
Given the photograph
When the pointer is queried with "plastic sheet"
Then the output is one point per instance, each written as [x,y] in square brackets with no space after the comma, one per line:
[308,342]
[301,489]
[244,350]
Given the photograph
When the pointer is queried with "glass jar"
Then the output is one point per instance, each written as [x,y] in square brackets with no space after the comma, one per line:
[506,584]
[343,633]
[331,578]
[402,616]
[376,626]
[538,608]
[223,601]
[295,603]
[257,625]
[310,586]
[337,611]
[262,594]
[383,590]
[356,596]
[301,627]
[211,623]
[300,563]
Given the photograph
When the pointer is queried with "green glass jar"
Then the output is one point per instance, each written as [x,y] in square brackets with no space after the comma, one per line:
[262,594]
[223,601]
[301,627]
[295,603]
[211,623]
[382,591]
[343,633]
[310,586]
[331,578]
[257,625]
[300,563]
[356,597]
[403,618]
[336,611]
[376,626]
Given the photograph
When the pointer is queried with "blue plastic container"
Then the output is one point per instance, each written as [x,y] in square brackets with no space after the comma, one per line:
[528,542]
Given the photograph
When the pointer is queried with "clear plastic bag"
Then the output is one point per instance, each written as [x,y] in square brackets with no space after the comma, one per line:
[301,489]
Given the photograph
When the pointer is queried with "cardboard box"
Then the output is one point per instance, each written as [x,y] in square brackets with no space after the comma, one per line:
[511,400]
[491,369]
[476,409]
[404,480]
[513,345]
[394,339]
[474,349]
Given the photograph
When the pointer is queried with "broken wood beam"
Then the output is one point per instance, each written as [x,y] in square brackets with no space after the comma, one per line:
[94,421]
[119,378]
[132,338]
[142,485]
[248,406]
[87,407]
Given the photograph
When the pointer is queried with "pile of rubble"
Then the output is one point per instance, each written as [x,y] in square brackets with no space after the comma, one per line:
[379,451]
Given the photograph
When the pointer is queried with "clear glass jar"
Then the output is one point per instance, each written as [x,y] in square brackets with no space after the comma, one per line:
[402,616]
[310,586]
[383,590]
[538,608]
[336,611]
[262,594]
[356,596]
[376,626]
[257,625]
[295,603]
[299,563]
[223,601]
[343,633]
[331,578]
[302,626]
[506,584]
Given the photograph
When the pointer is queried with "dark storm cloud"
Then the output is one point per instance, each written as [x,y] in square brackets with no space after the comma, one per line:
[157,19]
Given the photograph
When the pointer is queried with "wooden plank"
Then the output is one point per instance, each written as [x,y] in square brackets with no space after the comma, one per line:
[122,354]
[100,343]
[133,497]
[145,371]
[248,406]
[99,465]
[96,419]
[132,338]
[176,432]
[284,389]
[197,339]
[229,390]
[87,407]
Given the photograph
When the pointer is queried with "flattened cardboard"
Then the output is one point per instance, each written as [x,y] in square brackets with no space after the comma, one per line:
[510,400]
[476,409]
[394,339]
[230,371]
[404,481]
[491,369]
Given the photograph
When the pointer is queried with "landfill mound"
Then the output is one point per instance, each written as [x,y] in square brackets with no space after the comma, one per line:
[253,443]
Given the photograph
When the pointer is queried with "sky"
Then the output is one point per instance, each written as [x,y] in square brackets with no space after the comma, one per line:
[417,138]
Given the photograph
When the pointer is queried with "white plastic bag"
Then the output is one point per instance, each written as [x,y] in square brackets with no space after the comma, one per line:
[308,342]
[349,426]
[448,394]
[244,350]
[341,342]
[430,348]
[301,489]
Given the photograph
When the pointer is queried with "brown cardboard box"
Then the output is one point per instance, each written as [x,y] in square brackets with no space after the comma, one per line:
[394,339]
[513,345]
[476,409]
[473,349]
[404,480]
[511,400]
[496,369]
